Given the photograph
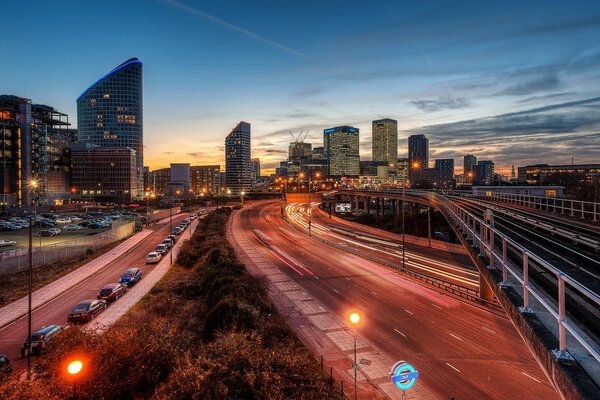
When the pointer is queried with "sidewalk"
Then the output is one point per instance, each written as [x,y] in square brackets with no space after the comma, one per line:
[119,308]
[19,308]
[320,330]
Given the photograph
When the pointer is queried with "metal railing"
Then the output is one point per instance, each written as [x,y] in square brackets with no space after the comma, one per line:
[496,246]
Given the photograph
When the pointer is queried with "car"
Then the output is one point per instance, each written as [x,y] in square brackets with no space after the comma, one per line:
[72,227]
[162,249]
[7,243]
[55,231]
[63,220]
[85,224]
[177,231]
[5,367]
[168,242]
[173,238]
[45,233]
[131,276]
[112,291]
[153,257]
[194,216]
[40,339]
[86,310]
[9,227]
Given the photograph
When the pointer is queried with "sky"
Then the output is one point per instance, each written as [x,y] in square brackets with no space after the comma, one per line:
[514,82]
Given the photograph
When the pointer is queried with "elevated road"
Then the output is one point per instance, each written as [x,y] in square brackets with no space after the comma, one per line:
[461,351]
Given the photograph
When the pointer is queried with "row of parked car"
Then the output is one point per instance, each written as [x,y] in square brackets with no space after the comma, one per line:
[163,248]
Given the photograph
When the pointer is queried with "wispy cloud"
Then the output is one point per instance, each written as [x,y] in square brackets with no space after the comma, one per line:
[445,102]
[537,84]
[243,31]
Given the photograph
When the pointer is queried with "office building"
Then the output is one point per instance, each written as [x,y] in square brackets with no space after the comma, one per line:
[205,179]
[238,164]
[110,113]
[162,177]
[469,163]
[341,147]
[402,170]
[255,170]
[299,151]
[148,180]
[35,144]
[180,175]
[445,173]
[483,173]
[103,173]
[385,140]
[418,155]
[318,153]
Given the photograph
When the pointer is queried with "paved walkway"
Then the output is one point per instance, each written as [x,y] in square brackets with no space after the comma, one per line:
[320,330]
[19,308]
[120,307]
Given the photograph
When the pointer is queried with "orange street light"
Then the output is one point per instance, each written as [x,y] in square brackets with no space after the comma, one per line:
[354,318]
[416,164]
[318,175]
[74,369]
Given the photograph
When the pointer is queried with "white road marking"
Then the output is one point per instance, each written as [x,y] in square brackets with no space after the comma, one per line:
[348,279]
[487,329]
[372,292]
[362,308]
[529,376]
[409,312]
[397,331]
[454,336]
[454,368]
[335,290]
[436,306]
[316,277]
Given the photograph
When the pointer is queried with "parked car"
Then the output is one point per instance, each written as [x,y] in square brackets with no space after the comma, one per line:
[72,227]
[177,231]
[162,249]
[5,367]
[9,227]
[194,216]
[7,243]
[168,242]
[131,276]
[55,231]
[45,233]
[86,310]
[173,238]
[153,257]
[40,339]
[63,220]
[112,291]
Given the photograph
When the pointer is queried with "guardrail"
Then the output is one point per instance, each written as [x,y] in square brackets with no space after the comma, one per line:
[485,237]
[583,209]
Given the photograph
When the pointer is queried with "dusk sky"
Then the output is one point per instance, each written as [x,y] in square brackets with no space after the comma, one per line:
[512,81]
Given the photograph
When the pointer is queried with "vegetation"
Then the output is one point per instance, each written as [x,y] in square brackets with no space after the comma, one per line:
[207,331]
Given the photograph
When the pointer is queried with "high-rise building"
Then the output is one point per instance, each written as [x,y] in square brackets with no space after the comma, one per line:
[110,113]
[418,155]
[103,173]
[180,175]
[299,151]
[255,170]
[385,140]
[469,163]
[402,170]
[445,173]
[162,177]
[35,145]
[341,147]
[148,180]
[483,173]
[238,164]
[318,153]
[205,179]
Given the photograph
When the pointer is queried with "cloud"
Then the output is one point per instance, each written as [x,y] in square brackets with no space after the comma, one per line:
[273,151]
[168,152]
[445,102]
[219,21]
[537,84]
[197,154]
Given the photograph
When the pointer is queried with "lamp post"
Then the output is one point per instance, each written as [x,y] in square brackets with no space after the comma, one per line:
[33,184]
[74,368]
[218,204]
[355,318]
[242,196]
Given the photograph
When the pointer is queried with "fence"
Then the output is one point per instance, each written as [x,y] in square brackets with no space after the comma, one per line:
[18,260]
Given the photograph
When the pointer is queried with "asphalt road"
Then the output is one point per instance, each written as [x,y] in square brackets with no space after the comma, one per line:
[460,350]
[56,311]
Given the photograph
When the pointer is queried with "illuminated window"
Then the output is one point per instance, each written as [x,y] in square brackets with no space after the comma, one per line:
[4,115]
[488,194]
[93,102]
[106,96]
[550,193]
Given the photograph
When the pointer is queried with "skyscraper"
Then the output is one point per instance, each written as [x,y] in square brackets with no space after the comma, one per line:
[110,113]
[255,170]
[418,155]
[469,163]
[238,164]
[483,173]
[341,146]
[385,140]
[299,151]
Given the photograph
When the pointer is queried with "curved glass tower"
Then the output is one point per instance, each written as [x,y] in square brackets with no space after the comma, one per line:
[110,113]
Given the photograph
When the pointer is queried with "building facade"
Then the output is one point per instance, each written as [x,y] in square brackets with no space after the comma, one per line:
[205,179]
[255,170]
[35,145]
[483,173]
[180,175]
[341,147]
[445,173]
[385,140]
[299,151]
[544,174]
[469,163]
[110,113]
[418,155]
[103,173]
[162,177]
[238,163]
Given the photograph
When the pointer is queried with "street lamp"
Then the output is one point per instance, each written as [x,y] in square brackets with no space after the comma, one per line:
[33,184]
[74,368]
[355,318]
[242,195]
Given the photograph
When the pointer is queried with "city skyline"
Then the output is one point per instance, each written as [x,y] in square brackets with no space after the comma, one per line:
[461,80]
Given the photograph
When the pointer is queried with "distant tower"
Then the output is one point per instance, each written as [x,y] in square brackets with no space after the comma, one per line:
[341,146]
[385,140]
[238,164]
[418,155]
[512,172]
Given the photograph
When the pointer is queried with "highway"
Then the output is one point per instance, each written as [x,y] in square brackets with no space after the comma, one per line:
[460,350]
[55,311]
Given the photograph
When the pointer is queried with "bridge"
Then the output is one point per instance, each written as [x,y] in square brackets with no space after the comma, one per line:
[536,256]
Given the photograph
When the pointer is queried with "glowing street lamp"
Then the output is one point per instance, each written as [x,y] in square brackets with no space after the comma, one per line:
[242,196]
[74,369]
[355,319]
[33,184]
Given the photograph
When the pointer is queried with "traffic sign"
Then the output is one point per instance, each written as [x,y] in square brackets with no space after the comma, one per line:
[403,375]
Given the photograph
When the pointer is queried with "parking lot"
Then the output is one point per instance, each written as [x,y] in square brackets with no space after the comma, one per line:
[22,237]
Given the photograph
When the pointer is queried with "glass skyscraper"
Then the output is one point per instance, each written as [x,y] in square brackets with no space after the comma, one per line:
[385,140]
[238,164]
[110,113]
[341,146]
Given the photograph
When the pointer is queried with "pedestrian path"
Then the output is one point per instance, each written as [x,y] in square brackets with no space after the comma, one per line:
[19,308]
[119,308]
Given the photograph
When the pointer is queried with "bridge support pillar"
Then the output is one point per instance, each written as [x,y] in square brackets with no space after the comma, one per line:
[356,205]
[485,290]
[377,206]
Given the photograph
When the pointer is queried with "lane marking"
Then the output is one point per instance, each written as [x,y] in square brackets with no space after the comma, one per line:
[436,306]
[362,308]
[335,290]
[372,292]
[316,277]
[487,329]
[348,279]
[409,312]
[529,376]
[456,337]
[397,331]
[453,367]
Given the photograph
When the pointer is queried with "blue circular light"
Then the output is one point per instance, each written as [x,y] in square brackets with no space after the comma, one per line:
[404,376]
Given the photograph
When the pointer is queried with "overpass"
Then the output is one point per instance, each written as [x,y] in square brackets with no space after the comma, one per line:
[552,300]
